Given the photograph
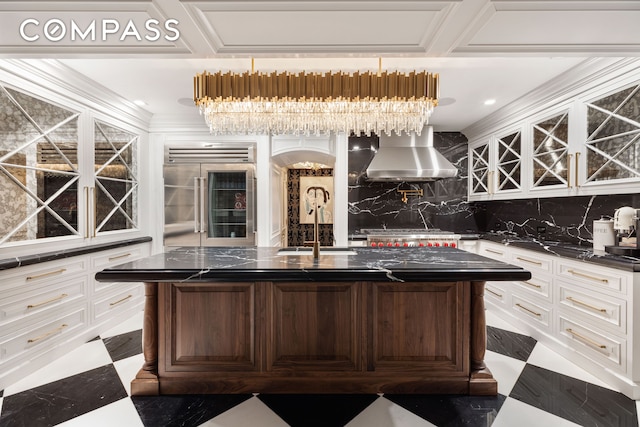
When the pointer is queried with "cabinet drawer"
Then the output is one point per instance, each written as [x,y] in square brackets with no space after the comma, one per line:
[600,347]
[599,278]
[531,311]
[495,293]
[15,280]
[113,304]
[493,251]
[117,256]
[43,335]
[602,310]
[22,308]
[532,261]
[539,285]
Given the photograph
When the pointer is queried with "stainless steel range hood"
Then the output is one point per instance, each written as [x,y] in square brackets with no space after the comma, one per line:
[409,158]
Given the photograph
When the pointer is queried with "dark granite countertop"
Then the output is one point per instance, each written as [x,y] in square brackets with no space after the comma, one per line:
[22,261]
[263,263]
[581,253]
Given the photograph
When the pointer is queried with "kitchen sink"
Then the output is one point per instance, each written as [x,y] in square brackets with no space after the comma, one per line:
[307,251]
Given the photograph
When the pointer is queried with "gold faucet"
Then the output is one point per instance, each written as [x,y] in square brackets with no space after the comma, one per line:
[316,242]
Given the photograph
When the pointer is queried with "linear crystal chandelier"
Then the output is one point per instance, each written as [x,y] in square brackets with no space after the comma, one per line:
[316,103]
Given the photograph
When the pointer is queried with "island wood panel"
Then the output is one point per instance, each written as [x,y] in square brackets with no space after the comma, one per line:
[313,327]
[420,327]
[332,337]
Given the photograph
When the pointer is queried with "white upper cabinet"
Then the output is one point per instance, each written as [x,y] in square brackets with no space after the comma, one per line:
[582,145]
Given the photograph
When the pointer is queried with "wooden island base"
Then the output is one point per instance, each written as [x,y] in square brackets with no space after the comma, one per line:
[310,337]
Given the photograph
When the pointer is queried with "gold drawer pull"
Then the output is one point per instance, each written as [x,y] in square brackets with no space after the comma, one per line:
[43,336]
[494,293]
[61,296]
[113,258]
[530,311]
[584,304]
[577,273]
[531,284]
[585,339]
[121,300]
[494,251]
[529,261]
[50,273]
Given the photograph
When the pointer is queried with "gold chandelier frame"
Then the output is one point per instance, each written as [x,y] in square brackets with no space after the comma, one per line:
[312,103]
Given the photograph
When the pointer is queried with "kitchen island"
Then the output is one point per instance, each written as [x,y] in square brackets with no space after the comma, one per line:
[358,320]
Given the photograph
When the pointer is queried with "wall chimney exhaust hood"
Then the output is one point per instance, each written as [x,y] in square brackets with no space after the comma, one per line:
[409,157]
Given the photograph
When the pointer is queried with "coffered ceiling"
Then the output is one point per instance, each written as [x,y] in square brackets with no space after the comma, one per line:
[499,49]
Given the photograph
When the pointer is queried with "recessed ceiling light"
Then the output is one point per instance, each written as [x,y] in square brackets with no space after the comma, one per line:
[489,102]
[140,102]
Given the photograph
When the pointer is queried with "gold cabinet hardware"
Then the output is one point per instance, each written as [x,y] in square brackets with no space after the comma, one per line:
[494,293]
[584,304]
[61,296]
[577,273]
[529,310]
[87,233]
[50,273]
[576,170]
[490,182]
[585,339]
[113,258]
[531,284]
[47,334]
[569,158]
[529,261]
[120,300]
[494,251]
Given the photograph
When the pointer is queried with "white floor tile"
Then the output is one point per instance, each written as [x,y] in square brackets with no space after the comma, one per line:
[128,368]
[385,413]
[250,413]
[516,413]
[88,356]
[132,324]
[506,370]
[497,322]
[546,358]
[121,413]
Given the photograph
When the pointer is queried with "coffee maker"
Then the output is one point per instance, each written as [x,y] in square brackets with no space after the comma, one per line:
[626,223]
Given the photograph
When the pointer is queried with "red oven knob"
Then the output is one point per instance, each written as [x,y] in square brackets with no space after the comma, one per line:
[453,245]
[436,244]
[397,244]
[445,244]
[421,244]
[389,244]
[380,244]
[429,244]
[405,244]
[373,244]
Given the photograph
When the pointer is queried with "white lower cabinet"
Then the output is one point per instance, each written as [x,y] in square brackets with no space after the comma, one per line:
[47,309]
[583,311]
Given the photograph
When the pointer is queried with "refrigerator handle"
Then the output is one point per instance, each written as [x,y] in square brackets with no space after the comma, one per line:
[196,205]
[202,183]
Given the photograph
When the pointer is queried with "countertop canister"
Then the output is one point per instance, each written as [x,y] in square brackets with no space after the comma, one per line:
[603,235]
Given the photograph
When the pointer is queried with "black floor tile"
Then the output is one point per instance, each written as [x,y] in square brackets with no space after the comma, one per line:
[317,410]
[509,343]
[452,411]
[124,345]
[580,402]
[184,410]
[63,400]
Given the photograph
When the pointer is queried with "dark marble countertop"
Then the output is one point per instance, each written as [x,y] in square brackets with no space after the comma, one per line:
[297,264]
[22,261]
[581,253]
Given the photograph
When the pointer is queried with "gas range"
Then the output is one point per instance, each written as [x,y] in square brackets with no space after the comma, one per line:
[399,238]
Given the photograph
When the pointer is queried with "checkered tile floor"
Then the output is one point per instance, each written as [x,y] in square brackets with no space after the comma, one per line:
[90,387]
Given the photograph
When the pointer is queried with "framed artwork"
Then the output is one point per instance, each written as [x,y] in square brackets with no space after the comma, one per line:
[316,192]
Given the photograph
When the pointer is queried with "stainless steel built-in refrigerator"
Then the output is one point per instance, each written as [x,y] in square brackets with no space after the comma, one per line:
[209,196]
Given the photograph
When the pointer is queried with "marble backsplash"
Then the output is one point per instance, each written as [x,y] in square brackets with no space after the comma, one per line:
[565,219]
[380,205]
[444,204]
